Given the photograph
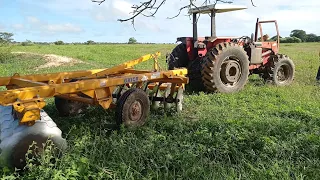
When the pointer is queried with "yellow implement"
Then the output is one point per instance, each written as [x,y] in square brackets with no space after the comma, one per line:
[102,87]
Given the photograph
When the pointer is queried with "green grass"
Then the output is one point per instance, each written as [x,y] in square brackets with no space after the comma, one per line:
[262,132]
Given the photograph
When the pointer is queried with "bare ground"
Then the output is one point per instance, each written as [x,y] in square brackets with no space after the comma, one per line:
[53,60]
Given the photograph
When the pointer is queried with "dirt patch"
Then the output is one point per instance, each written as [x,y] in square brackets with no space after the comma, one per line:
[53,60]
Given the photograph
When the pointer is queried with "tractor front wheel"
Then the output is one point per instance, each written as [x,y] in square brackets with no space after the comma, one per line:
[280,70]
[225,68]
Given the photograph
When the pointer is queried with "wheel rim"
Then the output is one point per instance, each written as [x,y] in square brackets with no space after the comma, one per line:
[283,73]
[135,111]
[230,71]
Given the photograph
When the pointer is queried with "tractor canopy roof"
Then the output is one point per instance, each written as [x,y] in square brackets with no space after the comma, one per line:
[217,8]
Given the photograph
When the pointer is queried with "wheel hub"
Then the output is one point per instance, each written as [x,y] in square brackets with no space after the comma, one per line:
[283,73]
[135,111]
[230,71]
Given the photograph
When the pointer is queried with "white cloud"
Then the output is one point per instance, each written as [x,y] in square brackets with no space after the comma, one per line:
[32,19]
[2,27]
[70,28]
[35,24]
[289,14]
[17,26]
[121,8]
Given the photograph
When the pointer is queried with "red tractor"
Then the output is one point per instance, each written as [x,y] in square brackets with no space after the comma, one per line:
[223,64]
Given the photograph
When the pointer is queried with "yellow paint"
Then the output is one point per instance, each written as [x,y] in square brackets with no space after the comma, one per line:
[98,85]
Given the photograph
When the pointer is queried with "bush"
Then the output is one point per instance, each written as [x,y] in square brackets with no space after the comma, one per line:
[27,43]
[5,53]
[290,40]
[132,40]
[59,43]
[90,42]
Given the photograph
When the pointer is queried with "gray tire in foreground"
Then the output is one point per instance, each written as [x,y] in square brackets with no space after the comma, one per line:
[16,139]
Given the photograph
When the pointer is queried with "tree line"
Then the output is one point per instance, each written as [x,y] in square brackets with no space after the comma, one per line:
[7,38]
[298,36]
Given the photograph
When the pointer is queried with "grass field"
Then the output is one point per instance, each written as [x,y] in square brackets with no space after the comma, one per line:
[262,132]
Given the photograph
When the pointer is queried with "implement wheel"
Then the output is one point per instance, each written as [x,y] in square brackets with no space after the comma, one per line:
[133,108]
[225,68]
[16,139]
[67,107]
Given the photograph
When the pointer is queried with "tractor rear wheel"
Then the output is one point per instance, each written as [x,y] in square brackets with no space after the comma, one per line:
[280,70]
[15,139]
[179,58]
[225,68]
[133,108]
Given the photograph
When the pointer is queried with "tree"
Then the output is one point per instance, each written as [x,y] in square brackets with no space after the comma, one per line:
[132,40]
[5,37]
[290,40]
[275,38]
[152,7]
[312,38]
[59,43]
[27,43]
[90,42]
[301,34]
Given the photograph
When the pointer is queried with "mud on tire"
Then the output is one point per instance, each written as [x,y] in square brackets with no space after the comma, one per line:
[15,138]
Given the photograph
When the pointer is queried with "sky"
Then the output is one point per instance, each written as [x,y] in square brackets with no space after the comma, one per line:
[82,20]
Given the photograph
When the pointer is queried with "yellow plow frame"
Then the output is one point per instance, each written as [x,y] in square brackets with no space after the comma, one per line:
[96,87]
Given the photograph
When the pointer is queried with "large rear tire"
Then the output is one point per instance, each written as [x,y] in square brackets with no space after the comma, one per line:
[179,59]
[16,139]
[225,68]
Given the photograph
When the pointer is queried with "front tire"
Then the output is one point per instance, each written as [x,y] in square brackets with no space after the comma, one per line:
[280,70]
